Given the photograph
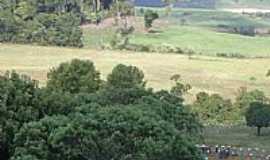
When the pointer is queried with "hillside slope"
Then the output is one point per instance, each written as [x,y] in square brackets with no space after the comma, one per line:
[214,75]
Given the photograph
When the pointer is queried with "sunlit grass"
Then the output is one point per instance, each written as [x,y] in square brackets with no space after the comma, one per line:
[214,75]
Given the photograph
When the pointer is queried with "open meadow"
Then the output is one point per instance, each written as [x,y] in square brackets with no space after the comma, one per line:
[211,74]
[237,136]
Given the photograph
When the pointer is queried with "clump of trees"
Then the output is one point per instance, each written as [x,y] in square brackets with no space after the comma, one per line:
[34,22]
[47,22]
[214,109]
[250,107]
[78,116]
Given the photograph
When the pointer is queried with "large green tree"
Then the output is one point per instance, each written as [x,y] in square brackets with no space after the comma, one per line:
[258,115]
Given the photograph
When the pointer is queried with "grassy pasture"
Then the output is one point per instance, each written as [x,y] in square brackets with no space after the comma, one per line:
[238,136]
[206,41]
[214,75]
[199,33]
[202,40]
[208,17]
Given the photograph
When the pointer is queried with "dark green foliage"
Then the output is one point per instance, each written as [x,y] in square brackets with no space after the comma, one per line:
[176,113]
[149,17]
[8,26]
[26,22]
[124,85]
[56,102]
[75,77]
[18,105]
[73,117]
[52,22]
[258,115]
[105,133]
[125,96]
[60,30]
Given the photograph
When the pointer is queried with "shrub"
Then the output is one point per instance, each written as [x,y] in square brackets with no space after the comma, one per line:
[149,17]
[230,55]
[121,38]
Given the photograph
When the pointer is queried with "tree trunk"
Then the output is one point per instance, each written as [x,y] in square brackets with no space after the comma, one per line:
[258,131]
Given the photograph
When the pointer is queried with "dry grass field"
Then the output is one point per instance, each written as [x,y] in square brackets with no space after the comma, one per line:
[211,74]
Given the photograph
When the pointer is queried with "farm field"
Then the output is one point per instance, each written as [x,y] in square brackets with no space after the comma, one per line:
[200,39]
[199,33]
[214,75]
[207,42]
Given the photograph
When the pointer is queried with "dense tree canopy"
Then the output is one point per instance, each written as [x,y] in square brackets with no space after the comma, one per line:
[75,117]
[107,133]
[18,105]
